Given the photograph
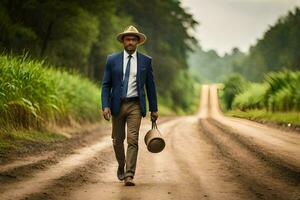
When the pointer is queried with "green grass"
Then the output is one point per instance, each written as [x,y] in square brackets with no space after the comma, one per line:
[196,101]
[292,118]
[35,136]
[4,145]
[165,104]
[278,92]
[276,99]
[288,117]
[33,94]
[165,111]
[251,98]
[19,138]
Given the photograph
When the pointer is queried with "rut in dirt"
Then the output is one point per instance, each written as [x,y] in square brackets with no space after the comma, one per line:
[207,156]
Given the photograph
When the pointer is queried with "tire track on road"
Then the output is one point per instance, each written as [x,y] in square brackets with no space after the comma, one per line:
[265,181]
[42,179]
[250,161]
[285,167]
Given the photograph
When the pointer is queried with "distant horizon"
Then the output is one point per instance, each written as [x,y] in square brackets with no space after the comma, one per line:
[244,29]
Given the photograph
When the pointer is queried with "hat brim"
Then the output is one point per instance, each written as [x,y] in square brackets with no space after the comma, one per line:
[141,36]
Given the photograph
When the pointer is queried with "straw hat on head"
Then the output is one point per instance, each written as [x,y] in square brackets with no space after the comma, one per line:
[131,30]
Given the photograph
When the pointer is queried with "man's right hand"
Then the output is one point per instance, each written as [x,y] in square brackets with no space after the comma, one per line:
[106,113]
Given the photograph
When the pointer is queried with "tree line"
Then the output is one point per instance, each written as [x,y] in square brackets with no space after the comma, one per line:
[78,35]
[278,49]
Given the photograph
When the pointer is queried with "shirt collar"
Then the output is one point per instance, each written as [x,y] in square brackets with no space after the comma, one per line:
[126,54]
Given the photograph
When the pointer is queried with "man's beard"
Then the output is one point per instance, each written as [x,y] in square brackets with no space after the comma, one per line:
[130,48]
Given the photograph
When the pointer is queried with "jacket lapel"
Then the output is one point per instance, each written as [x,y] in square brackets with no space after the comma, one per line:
[139,63]
[119,65]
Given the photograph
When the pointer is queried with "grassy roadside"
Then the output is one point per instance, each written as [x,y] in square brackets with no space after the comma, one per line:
[35,97]
[17,139]
[273,100]
[287,118]
[195,102]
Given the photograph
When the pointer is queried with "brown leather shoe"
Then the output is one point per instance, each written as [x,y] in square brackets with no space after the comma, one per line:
[129,181]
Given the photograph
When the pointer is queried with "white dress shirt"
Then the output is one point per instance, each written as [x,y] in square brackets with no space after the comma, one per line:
[132,82]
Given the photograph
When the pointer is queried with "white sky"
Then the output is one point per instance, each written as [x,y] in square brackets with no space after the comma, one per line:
[225,24]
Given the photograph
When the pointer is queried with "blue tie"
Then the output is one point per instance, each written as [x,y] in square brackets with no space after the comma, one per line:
[126,78]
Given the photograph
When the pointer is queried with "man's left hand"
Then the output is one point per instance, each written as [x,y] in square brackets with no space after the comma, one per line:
[154,116]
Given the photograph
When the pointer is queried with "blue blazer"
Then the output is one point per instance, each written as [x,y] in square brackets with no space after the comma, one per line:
[112,83]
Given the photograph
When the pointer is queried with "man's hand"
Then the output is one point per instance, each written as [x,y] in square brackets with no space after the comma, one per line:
[154,116]
[106,113]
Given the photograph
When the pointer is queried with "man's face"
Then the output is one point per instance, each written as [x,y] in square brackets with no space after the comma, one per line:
[130,43]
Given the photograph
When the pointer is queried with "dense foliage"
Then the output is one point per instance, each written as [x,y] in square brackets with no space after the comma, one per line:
[279,91]
[80,34]
[278,49]
[233,85]
[208,66]
[166,23]
[32,95]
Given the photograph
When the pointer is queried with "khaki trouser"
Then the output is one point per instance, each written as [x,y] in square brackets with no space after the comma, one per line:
[130,114]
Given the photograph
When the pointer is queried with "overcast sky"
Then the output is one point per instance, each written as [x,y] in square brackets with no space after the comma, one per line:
[225,24]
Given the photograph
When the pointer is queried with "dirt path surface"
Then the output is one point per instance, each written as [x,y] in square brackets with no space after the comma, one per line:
[207,156]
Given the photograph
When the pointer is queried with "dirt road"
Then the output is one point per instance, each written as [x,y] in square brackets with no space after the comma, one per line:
[207,156]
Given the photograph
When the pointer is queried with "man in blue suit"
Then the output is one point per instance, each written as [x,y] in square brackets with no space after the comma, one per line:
[123,97]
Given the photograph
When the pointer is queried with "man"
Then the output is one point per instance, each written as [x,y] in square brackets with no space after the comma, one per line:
[123,97]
